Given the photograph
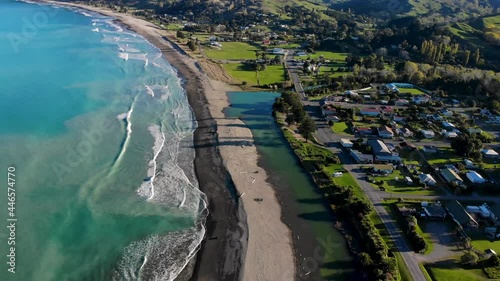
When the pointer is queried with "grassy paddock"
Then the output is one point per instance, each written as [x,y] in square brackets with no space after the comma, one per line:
[232,51]
[273,74]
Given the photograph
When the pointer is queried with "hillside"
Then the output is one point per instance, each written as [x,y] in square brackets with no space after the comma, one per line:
[432,10]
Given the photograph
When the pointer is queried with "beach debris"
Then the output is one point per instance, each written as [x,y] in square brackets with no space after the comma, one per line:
[241,195]
[253,180]
[258,199]
[307,273]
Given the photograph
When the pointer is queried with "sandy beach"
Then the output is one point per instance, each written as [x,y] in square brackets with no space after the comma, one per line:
[246,238]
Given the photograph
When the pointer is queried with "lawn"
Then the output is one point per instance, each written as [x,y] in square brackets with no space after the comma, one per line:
[346,179]
[448,270]
[444,156]
[395,183]
[273,74]
[232,51]
[341,128]
[480,242]
[334,56]
[411,91]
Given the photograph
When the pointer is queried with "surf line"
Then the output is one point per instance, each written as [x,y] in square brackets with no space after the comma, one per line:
[151,180]
[128,128]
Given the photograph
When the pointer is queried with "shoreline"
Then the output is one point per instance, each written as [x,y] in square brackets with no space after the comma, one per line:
[245,240]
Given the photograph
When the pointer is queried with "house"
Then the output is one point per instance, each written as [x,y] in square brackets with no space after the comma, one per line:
[277,51]
[460,215]
[328,109]
[450,176]
[384,169]
[346,143]
[405,132]
[428,134]
[489,153]
[385,132]
[469,164]
[450,135]
[332,118]
[475,130]
[387,109]
[370,112]
[448,125]
[402,102]
[363,131]
[430,149]
[434,212]
[398,119]
[489,252]
[382,153]
[475,177]
[421,99]
[408,145]
[361,158]
[427,179]
[408,180]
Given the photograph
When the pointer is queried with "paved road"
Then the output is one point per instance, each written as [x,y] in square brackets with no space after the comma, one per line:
[377,198]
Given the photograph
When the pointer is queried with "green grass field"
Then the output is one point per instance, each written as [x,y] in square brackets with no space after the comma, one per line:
[273,74]
[346,179]
[448,270]
[411,91]
[481,242]
[232,51]
[445,155]
[341,128]
[335,56]
[396,184]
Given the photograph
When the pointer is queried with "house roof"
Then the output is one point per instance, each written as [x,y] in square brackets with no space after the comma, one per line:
[474,177]
[459,213]
[450,175]
[379,147]
[435,211]
[426,178]
[370,110]
[490,152]
[386,128]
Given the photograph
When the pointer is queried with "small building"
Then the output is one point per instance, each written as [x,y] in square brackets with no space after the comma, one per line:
[427,179]
[346,143]
[385,132]
[475,177]
[421,99]
[476,130]
[450,176]
[408,180]
[430,149]
[332,118]
[448,125]
[363,131]
[370,112]
[434,212]
[405,132]
[450,135]
[402,102]
[489,252]
[489,153]
[428,134]
[384,169]
[446,112]
[361,158]
[460,215]
[328,109]
[469,164]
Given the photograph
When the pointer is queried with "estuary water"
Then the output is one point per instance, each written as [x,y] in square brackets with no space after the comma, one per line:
[100,133]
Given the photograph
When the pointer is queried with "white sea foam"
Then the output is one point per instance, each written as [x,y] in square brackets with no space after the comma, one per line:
[95,29]
[123,56]
[149,91]
[128,128]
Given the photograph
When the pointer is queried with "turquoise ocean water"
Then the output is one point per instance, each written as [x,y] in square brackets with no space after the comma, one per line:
[99,130]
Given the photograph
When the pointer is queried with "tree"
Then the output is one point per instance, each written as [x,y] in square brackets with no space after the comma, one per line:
[307,128]
[365,260]
[180,34]
[469,258]
[192,45]
[467,145]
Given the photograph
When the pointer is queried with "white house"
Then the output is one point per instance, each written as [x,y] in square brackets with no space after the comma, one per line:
[427,179]
[448,125]
[421,99]
[428,134]
[405,132]
[489,153]
[328,109]
[474,177]
[346,143]
[450,135]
